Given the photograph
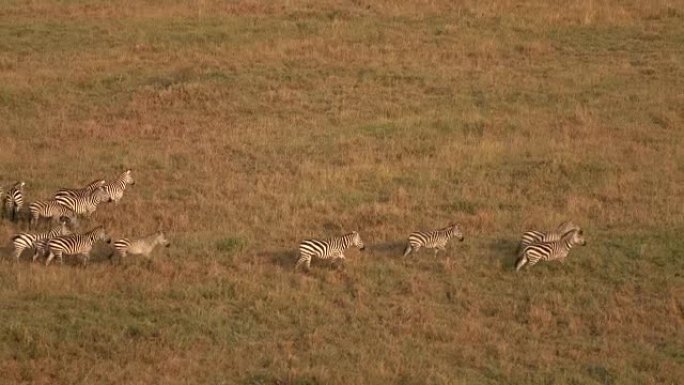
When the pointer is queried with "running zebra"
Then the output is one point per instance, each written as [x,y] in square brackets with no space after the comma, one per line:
[51,209]
[85,205]
[550,251]
[327,249]
[141,246]
[115,188]
[80,192]
[23,241]
[531,237]
[436,239]
[81,244]
[14,200]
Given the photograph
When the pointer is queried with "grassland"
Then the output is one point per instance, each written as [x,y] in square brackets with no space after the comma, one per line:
[252,125]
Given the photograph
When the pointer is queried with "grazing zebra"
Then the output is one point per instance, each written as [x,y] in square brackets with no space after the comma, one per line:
[23,241]
[49,209]
[80,192]
[115,188]
[327,249]
[436,239]
[550,251]
[14,200]
[531,237]
[81,244]
[85,205]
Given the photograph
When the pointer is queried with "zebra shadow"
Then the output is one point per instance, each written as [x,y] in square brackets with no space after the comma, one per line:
[389,248]
[505,250]
[285,258]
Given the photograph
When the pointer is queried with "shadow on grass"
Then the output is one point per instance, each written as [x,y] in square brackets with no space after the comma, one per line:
[389,249]
[505,251]
[285,258]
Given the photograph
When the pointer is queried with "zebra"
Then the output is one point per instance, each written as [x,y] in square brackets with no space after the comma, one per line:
[436,239]
[327,249]
[81,244]
[115,188]
[531,237]
[14,200]
[80,192]
[84,205]
[550,251]
[27,240]
[141,246]
[49,209]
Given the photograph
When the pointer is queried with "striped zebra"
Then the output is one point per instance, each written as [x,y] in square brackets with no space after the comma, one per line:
[436,239]
[84,205]
[531,237]
[27,240]
[80,244]
[80,192]
[14,200]
[327,249]
[51,209]
[115,188]
[141,246]
[550,251]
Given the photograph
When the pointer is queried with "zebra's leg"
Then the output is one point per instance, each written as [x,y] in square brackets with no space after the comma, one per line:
[408,250]
[84,259]
[532,262]
[17,253]
[50,257]
[35,255]
[522,260]
[303,259]
[122,255]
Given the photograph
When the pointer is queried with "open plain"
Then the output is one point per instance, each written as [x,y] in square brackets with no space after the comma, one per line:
[253,125]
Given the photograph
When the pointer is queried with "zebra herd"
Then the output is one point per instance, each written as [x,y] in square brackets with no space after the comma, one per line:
[534,246]
[66,206]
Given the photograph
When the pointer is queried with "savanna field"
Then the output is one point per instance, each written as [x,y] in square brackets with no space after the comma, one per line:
[252,125]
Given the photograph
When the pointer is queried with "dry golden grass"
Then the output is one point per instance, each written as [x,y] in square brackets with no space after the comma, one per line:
[252,125]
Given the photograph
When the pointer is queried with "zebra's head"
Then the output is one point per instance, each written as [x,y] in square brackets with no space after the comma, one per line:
[356,241]
[68,219]
[101,195]
[161,239]
[127,177]
[575,237]
[95,184]
[99,234]
[63,227]
[456,232]
[566,227]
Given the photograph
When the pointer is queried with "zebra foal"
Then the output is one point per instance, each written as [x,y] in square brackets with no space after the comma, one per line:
[436,239]
[550,251]
[80,244]
[28,240]
[332,248]
[141,246]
